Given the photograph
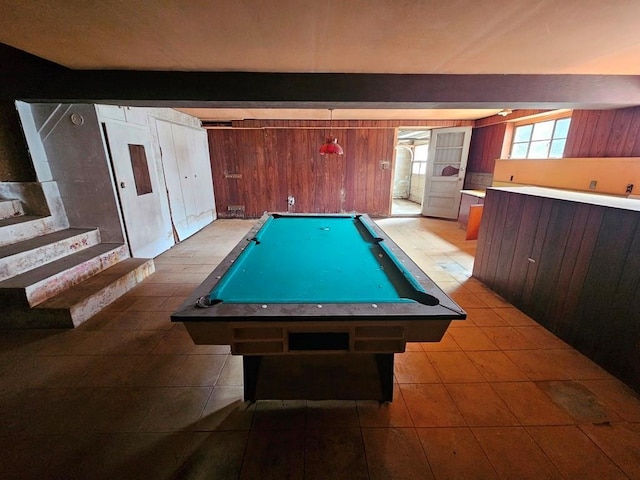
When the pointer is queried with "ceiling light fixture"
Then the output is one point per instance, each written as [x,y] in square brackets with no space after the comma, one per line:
[505,112]
[331,146]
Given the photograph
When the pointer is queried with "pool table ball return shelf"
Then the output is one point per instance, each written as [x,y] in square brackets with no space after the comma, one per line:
[317,305]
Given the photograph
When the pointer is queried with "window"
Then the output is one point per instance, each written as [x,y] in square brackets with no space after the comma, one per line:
[540,140]
[419,166]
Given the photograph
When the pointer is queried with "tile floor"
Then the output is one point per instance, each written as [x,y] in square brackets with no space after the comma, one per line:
[127,395]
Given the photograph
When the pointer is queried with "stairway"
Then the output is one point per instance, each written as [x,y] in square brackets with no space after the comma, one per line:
[10,208]
[58,279]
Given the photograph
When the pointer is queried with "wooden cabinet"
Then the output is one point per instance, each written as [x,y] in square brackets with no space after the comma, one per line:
[467,199]
[572,262]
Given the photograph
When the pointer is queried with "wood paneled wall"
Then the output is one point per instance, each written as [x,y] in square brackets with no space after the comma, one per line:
[278,158]
[258,164]
[604,133]
[341,124]
[489,136]
[486,146]
[260,168]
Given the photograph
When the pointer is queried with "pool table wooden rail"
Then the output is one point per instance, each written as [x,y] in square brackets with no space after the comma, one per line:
[274,338]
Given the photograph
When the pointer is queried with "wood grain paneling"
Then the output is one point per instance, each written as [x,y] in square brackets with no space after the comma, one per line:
[630,344]
[594,313]
[575,268]
[259,168]
[524,245]
[592,133]
[485,147]
[528,300]
[349,124]
[550,261]
[140,168]
[604,133]
[575,134]
[488,138]
[625,305]
[368,183]
[587,240]
[501,216]
[520,114]
[486,234]
[509,238]
[238,171]
[567,265]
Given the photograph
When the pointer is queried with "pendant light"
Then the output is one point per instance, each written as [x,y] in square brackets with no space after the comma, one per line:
[331,146]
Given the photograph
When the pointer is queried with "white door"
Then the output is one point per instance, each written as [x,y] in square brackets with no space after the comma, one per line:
[172,178]
[187,170]
[446,165]
[140,190]
[204,198]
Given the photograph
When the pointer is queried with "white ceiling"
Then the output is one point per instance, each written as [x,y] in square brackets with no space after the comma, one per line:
[341,36]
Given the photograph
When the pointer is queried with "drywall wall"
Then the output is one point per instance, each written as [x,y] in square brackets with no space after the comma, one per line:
[612,175]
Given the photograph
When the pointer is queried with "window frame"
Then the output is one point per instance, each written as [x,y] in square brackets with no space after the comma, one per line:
[533,122]
[421,164]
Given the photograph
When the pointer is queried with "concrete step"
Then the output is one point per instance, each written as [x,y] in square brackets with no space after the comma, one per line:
[22,227]
[77,304]
[10,208]
[35,286]
[17,258]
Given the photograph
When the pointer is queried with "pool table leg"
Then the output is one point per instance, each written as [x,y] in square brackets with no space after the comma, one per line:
[250,370]
[384,362]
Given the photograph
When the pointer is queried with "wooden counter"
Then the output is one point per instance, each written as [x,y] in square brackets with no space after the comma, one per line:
[571,261]
[467,199]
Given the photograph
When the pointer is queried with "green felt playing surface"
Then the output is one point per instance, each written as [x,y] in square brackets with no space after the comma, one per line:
[315,260]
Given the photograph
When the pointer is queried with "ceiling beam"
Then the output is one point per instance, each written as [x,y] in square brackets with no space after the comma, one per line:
[48,82]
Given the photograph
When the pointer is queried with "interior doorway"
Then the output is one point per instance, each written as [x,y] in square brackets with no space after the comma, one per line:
[444,178]
[429,171]
[411,151]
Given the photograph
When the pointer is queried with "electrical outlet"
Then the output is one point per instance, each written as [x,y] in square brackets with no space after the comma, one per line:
[629,188]
[592,185]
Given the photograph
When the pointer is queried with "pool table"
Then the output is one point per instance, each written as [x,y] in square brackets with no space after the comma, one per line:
[317,305]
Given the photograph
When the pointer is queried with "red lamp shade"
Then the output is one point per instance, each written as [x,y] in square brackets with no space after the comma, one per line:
[331,147]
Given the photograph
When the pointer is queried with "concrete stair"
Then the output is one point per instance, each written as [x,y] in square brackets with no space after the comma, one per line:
[10,208]
[77,304]
[32,253]
[59,278]
[35,286]
[23,227]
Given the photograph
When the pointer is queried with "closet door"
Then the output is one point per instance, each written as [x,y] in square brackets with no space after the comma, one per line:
[201,183]
[185,157]
[172,179]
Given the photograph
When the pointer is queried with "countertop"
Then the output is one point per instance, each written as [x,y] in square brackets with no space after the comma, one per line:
[623,203]
[474,193]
